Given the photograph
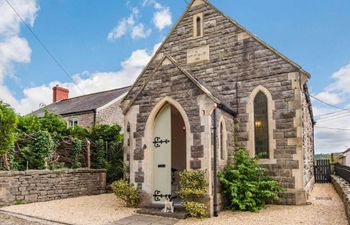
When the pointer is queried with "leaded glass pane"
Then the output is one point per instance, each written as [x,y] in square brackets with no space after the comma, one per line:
[261,125]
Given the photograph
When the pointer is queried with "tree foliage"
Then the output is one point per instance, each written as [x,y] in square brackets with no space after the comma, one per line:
[245,184]
[76,151]
[8,124]
[34,142]
[39,153]
[114,163]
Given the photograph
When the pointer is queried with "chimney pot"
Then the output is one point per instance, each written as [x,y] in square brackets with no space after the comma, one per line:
[59,93]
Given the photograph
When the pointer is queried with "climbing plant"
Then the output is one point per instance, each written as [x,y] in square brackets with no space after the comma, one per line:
[76,152]
[99,156]
[32,142]
[114,163]
[38,154]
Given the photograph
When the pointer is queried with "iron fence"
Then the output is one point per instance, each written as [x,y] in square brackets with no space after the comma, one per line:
[342,171]
[322,169]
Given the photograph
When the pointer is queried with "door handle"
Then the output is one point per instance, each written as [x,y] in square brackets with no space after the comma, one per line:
[161,165]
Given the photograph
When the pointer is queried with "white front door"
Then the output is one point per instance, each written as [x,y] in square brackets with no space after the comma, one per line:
[162,155]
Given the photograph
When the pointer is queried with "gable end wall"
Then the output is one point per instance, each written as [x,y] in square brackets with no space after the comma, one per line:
[237,64]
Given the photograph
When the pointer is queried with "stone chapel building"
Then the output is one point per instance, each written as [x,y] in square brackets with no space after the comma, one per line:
[211,78]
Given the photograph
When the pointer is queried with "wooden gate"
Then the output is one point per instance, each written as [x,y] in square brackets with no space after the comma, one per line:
[322,171]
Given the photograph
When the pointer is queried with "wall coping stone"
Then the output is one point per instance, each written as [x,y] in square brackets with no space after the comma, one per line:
[343,189]
[59,171]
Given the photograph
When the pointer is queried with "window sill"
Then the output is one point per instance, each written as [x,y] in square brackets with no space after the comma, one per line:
[267,161]
[196,37]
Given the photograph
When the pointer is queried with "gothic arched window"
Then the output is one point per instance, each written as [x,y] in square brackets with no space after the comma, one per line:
[261,125]
[198,26]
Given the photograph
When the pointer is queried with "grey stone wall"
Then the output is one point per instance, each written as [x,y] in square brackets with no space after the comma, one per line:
[343,189]
[85,119]
[308,145]
[237,64]
[36,186]
[169,81]
[111,115]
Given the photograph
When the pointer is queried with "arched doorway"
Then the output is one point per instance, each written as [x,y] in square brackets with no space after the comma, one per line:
[169,152]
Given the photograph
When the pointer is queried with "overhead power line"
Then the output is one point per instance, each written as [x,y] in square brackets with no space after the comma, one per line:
[332,128]
[40,42]
[340,116]
[342,112]
[335,113]
[326,103]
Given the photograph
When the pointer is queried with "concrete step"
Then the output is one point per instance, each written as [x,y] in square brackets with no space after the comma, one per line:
[178,213]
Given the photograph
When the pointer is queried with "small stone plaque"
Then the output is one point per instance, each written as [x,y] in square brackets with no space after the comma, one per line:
[199,54]
[195,164]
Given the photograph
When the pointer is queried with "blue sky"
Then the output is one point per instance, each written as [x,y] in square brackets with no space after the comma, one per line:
[314,34]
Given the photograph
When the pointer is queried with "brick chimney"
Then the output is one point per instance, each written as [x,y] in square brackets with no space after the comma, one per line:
[59,93]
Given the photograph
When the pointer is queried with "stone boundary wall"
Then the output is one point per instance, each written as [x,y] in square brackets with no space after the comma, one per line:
[43,185]
[343,189]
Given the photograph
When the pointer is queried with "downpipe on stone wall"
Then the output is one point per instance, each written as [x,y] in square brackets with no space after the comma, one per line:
[215,166]
[95,115]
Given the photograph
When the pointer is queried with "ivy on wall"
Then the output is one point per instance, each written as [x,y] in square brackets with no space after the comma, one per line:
[76,151]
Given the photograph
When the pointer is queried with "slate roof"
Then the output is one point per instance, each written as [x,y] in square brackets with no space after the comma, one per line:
[82,103]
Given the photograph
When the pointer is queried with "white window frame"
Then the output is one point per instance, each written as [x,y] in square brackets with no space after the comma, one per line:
[72,122]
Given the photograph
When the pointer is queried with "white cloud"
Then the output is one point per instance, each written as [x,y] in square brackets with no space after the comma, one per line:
[123,26]
[13,48]
[336,93]
[162,18]
[9,23]
[128,26]
[329,97]
[157,5]
[84,81]
[332,140]
[139,31]
[342,80]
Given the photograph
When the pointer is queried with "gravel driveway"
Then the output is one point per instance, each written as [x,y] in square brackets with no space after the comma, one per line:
[86,210]
[326,208]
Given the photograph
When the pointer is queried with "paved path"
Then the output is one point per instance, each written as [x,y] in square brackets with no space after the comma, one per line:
[11,220]
[145,220]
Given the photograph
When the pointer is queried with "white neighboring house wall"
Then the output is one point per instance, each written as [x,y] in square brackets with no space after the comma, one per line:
[346,158]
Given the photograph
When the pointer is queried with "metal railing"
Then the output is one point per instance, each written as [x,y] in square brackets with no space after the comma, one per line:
[342,171]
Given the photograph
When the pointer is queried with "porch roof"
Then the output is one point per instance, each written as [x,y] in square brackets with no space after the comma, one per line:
[205,88]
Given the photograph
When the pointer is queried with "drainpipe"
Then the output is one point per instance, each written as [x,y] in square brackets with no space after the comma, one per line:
[215,166]
[94,117]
